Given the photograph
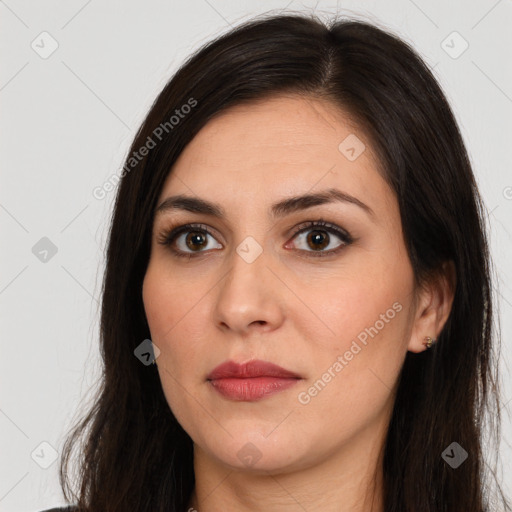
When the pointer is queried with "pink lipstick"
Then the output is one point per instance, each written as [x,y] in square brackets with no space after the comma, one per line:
[250,381]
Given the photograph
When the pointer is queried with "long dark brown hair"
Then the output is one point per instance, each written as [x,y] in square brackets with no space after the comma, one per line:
[131,453]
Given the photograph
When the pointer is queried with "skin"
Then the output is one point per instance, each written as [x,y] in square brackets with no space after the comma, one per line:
[287,307]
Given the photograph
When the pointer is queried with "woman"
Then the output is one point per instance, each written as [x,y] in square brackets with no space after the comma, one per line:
[298,246]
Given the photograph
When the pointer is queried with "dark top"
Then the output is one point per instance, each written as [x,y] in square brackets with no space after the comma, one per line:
[70,508]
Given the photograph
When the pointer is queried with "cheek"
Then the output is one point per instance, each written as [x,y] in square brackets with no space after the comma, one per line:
[354,371]
[361,334]
[172,319]
[152,297]
[166,302]
[163,312]
[347,304]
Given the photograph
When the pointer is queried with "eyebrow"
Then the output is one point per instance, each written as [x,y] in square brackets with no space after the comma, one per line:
[279,209]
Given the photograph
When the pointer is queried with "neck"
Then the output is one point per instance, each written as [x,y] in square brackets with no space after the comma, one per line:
[351,479]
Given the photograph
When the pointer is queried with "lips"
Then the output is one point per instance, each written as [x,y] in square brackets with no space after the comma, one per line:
[251,369]
[250,381]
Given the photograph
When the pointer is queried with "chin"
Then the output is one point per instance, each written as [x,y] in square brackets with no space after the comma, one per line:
[250,451]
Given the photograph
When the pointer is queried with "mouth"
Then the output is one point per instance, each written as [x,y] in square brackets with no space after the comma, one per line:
[250,381]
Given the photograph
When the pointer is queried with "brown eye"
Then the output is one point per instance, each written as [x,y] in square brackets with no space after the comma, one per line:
[316,236]
[317,239]
[196,240]
[188,240]
[191,240]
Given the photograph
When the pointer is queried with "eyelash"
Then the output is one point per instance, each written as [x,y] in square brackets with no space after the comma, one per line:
[167,237]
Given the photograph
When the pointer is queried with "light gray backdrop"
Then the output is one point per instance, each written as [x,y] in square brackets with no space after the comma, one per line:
[76,79]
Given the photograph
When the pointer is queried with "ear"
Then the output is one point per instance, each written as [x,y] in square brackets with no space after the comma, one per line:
[433,306]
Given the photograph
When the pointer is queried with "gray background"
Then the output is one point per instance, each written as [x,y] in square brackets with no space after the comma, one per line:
[67,121]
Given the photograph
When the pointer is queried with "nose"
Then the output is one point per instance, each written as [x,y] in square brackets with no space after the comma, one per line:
[250,297]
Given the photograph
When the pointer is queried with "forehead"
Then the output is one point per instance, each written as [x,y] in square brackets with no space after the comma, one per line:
[273,148]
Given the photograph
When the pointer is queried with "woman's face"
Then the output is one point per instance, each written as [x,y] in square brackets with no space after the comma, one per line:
[331,304]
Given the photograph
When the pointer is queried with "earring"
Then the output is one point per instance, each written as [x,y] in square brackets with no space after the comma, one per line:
[429,341]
